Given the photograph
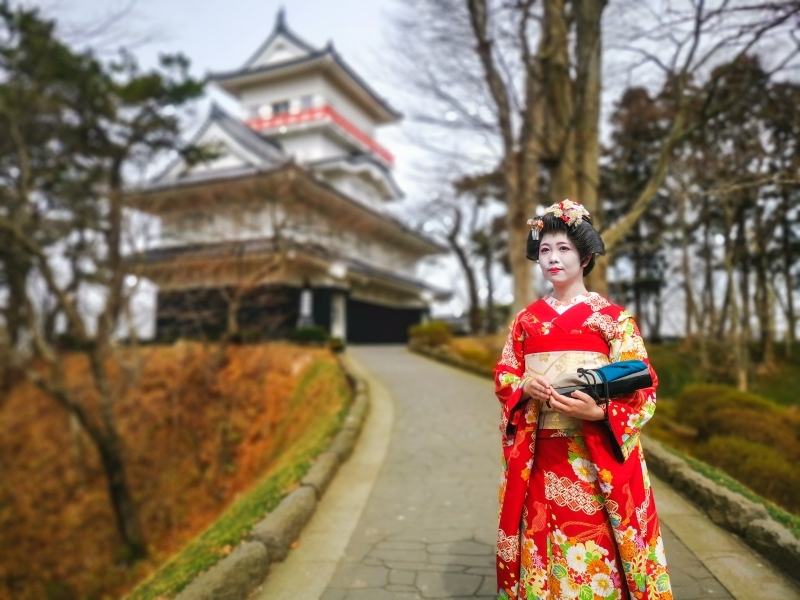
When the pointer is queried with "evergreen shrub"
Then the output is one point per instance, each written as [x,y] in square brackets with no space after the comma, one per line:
[765,469]
[749,437]
[305,335]
[432,333]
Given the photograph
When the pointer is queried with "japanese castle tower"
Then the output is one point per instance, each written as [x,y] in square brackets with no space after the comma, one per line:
[286,225]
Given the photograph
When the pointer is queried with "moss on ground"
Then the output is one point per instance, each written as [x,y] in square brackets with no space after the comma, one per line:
[788,520]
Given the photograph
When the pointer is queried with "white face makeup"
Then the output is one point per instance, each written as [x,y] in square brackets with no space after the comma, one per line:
[559,260]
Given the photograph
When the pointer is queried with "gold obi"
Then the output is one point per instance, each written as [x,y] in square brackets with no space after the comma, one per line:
[552,364]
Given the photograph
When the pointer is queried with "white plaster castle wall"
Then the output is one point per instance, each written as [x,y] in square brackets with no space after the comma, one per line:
[315,84]
[305,226]
[311,145]
[347,107]
[355,187]
[236,222]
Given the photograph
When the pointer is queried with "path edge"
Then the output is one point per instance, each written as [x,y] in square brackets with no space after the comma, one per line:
[732,511]
[245,569]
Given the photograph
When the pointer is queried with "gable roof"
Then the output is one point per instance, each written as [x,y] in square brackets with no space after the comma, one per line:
[255,71]
[247,152]
[280,31]
[364,163]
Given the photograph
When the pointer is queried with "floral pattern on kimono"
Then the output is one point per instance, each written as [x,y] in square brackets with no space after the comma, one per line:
[607,453]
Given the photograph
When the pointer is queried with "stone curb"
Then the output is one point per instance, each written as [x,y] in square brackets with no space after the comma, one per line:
[454,361]
[233,578]
[283,525]
[729,510]
[240,573]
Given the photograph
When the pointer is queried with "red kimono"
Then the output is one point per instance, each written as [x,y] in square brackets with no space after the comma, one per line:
[577,516]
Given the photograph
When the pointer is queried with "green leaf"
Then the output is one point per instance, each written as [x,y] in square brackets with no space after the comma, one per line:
[639,579]
[586,593]
[662,583]
[559,572]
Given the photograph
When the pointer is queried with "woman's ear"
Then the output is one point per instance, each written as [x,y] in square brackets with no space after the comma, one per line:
[586,261]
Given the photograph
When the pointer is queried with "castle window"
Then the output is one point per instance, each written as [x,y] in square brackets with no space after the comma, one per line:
[307,101]
[280,108]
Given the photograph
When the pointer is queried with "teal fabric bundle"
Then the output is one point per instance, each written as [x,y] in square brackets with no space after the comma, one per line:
[611,381]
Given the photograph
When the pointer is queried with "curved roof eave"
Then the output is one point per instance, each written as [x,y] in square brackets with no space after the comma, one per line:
[431,246]
[243,76]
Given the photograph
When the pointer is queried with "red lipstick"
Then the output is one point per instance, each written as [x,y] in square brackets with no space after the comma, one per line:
[554,270]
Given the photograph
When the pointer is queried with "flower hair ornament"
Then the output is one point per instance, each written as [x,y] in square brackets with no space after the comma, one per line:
[572,213]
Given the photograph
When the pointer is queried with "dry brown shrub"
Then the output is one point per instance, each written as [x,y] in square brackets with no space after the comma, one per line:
[194,438]
[766,470]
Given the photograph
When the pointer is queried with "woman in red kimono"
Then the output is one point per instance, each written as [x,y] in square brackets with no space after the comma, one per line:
[577,516]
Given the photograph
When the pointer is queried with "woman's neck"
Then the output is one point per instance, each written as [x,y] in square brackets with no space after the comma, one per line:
[567,293]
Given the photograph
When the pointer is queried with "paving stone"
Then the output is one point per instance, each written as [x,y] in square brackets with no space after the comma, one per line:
[419,566]
[462,547]
[380,595]
[401,588]
[463,560]
[487,571]
[447,585]
[399,577]
[357,551]
[489,586]
[357,576]
[400,545]
[403,555]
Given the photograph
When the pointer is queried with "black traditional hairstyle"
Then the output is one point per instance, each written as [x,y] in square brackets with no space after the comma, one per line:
[585,237]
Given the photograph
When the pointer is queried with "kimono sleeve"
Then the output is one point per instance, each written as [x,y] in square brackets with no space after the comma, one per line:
[509,375]
[627,415]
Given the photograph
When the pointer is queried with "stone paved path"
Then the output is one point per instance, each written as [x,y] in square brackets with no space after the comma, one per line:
[427,529]
[412,514]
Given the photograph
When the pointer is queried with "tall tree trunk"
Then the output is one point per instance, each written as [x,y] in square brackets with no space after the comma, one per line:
[688,287]
[588,15]
[560,111]
[488,262]
[125,512]
[709,308]
[474,310]
[520,209]
[737,340]
[637,291]
[109,445]
[788,280]
[765,299]
[741,256]
[521,154]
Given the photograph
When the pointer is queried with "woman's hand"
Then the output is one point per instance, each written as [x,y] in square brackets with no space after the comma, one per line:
[580,405]
[538,388]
